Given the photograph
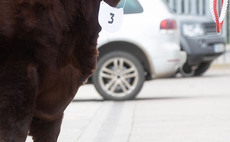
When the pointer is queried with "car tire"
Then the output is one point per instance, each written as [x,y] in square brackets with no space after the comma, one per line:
[202,68]
[119,76]
[187,70]
[198,70]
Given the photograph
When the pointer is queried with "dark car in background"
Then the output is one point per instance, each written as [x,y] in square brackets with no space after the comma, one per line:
[201,43]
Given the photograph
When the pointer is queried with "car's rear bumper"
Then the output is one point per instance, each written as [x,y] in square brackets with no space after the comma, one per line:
[168,65]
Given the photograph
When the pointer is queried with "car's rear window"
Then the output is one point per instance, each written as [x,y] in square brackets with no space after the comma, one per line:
[131,6]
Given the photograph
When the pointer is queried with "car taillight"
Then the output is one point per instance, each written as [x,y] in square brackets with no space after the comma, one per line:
[168,24]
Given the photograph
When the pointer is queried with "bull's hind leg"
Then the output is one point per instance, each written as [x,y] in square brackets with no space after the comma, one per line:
[44,130]
[17,98]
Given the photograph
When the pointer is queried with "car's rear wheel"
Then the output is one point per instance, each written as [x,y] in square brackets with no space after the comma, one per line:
[187,70]
[198,70]
[120,76]
[202,68]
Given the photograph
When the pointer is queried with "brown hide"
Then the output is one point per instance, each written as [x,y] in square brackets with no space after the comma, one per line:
[47,50]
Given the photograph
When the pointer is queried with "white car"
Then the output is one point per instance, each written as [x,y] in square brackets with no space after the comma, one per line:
[146,47]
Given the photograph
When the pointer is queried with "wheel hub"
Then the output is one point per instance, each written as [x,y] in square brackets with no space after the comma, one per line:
[118,76]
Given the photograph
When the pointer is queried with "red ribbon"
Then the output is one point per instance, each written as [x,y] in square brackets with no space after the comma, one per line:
[218,25]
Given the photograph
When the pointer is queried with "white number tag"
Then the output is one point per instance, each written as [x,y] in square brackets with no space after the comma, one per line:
[110,18]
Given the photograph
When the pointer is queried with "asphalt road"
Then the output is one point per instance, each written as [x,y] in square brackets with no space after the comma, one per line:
[166,110]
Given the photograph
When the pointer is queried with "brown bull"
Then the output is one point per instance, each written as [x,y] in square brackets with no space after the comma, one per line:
[47,50]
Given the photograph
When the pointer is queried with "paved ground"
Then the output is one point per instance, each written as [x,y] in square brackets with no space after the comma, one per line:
[166,110]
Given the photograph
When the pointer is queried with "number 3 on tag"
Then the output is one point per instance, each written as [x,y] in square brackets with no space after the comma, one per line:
[110,18]
[112,15]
